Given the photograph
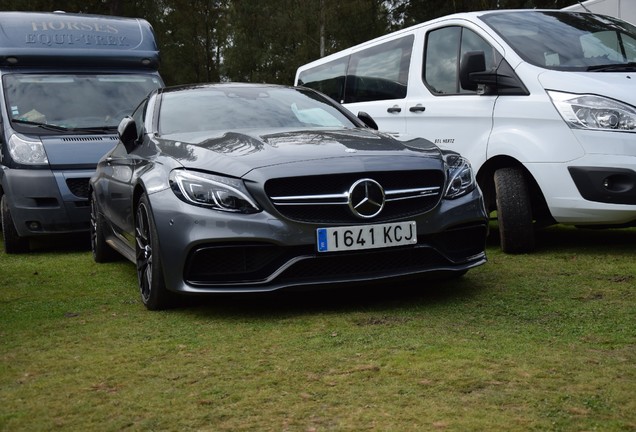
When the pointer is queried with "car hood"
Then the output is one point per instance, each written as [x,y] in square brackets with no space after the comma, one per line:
[237,154]
[616,85]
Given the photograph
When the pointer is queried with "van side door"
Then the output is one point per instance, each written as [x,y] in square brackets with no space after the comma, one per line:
[377,80]
[437,107]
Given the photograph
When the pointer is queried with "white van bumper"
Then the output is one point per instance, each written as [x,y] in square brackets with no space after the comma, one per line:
[592,190]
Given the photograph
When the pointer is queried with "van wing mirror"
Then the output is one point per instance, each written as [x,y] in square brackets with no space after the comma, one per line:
[127,131]
[472,62]
[367,120]
[501,81]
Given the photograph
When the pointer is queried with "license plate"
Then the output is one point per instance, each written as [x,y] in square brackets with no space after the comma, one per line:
[366,236]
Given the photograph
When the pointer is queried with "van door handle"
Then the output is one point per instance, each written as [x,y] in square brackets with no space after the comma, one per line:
[394,109]
[417,108]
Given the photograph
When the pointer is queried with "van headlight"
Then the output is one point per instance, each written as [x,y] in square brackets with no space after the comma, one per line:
[213,191]
[594,112]
[461,179]
[27,152]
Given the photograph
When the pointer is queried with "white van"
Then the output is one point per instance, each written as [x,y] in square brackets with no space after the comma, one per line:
[542,102]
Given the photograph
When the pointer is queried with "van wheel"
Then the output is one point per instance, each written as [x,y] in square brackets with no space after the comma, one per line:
[514,211]
[13,243]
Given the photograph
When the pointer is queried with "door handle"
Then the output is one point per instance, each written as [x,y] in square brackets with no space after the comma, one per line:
[394,109]
[417,108]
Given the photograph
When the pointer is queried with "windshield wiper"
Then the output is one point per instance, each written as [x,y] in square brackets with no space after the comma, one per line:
[95,129]
[41,125]
[613,67]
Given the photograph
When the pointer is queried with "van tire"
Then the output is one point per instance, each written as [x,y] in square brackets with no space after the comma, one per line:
[13,243]
[514,211]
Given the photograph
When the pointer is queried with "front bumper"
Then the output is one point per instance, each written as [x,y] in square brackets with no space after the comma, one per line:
[576,191]
[205,251]
[45,202]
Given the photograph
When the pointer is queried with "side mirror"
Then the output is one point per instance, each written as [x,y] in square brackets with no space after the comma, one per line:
[367,120]
[127,131]
[472,61]
[501,81]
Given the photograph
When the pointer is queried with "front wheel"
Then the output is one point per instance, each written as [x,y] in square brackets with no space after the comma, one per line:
[152,285]
[13,243]
[514,211]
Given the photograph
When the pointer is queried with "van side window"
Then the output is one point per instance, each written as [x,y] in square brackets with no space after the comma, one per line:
[380,72]
[443,51]
[328,78]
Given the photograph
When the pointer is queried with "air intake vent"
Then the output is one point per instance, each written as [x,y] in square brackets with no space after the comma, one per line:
[90,138]
[78,186]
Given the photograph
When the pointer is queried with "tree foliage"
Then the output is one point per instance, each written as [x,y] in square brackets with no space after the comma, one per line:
[258,41]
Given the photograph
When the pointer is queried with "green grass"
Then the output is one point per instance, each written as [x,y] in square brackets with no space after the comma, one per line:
[540,342]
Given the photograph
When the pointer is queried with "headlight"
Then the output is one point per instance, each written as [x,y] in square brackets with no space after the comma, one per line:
[213,191]
[594,112]
[460,176]
[27,152]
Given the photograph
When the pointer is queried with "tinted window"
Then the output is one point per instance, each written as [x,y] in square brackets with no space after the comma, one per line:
[444,48]
[441,64]
[328,78]
[380,72]
[566,41]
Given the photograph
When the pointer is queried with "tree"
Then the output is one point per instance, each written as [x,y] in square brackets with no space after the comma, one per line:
[191,34]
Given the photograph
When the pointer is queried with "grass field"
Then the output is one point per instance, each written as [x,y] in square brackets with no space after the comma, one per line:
[540,342]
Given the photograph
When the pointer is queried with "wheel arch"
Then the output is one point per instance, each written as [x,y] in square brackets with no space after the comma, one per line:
[485,179]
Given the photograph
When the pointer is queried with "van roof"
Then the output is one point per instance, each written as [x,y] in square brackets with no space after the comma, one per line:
[58,39]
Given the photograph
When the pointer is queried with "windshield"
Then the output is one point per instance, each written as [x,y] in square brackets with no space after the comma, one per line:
[41,103]
[566,40]
[236,108]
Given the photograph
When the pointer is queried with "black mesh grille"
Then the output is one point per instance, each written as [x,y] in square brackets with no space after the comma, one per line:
[78,186]
[341,183]
[238,262]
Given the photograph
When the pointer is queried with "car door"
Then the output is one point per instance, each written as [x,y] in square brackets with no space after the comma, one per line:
[118,172]
[437,108]
[377,80]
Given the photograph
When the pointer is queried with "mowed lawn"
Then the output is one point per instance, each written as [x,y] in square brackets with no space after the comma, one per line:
[539,342]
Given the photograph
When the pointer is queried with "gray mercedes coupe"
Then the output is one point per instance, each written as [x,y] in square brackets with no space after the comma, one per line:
[239,188]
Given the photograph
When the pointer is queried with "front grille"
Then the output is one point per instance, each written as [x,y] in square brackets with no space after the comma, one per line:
[324,198]
[366,265]
[78,186]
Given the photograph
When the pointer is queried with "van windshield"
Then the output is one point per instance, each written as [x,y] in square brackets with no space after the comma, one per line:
[59,103]
[568,41]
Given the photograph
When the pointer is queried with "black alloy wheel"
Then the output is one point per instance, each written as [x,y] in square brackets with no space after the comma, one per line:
[152,286]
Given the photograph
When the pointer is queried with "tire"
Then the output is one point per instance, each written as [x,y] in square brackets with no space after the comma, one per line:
[13,243]
[152,285]
[514,211]
[102,252]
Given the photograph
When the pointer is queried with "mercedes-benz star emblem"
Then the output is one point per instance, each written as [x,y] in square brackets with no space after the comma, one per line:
[366,198]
